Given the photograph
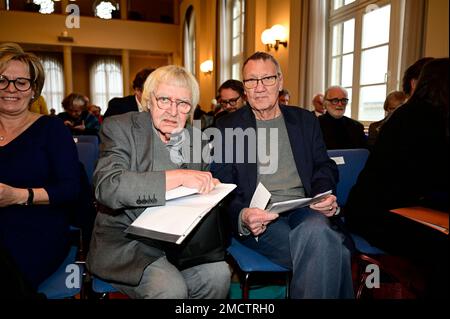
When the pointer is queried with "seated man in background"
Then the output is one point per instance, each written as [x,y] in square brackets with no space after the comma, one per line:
[130,103]
[340,131]
[319,108]
[393,100]
[143,155]
[284,97]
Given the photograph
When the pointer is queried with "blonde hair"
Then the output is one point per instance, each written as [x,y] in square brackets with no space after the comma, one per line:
[174,75]
[13,52]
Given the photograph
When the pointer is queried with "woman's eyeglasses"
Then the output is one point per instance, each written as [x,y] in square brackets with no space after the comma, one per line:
[21,84]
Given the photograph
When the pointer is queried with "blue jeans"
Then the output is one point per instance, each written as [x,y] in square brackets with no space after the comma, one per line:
[162,280]
[305,241]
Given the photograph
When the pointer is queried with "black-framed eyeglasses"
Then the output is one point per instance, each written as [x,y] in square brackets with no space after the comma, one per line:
[232,102]
[21,84]
[266,81]
[164,103]
[336,101]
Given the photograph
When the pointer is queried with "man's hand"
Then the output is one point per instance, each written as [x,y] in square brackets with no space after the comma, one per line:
[256,220]
[200,180]
[327,207]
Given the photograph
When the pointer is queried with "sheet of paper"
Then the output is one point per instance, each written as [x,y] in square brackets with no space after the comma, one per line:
[180,191]
[260,198]
[285,206]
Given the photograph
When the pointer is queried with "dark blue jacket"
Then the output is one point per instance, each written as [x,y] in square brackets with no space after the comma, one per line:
[317,171]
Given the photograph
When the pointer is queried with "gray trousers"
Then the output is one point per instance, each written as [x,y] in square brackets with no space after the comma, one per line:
[304,240]
[162,280]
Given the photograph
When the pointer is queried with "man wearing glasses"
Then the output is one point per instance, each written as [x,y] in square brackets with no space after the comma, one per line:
[231,95]
[339,131]
[301,239]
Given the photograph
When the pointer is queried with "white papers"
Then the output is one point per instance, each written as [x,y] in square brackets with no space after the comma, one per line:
[180,191]
[174,221]
[282,207]
[260,198]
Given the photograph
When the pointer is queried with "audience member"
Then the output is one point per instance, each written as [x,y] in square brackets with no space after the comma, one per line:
[393,100]
[39,106]
[411,75]
[409,167]
[231,95]
[339,131]
[77,117]
[303,239]
[130,103]
[284,97]
[96,111]
[40,175]
[319,108]
[52,112]
[145,162]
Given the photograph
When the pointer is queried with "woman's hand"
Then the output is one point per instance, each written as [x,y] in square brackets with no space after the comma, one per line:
[327,207]
[202,181]
[11,195]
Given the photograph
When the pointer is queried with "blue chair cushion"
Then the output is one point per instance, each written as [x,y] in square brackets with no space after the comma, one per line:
[364,247]
[55,286]
[101,287]
[249,260]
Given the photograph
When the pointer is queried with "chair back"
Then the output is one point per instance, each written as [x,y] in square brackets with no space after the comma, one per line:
[93,139]
[66,281]
[88,156]
[350,162]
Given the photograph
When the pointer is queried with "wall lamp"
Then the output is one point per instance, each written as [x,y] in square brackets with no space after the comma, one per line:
[104,8]
[207,67]
[274,37]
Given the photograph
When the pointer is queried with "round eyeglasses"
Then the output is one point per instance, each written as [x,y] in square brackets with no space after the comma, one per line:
[21,84]
[164,103]
[266,81]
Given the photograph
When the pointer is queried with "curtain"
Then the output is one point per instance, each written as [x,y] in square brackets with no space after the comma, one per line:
[53,90]
[106,81]
[313,50]
[413,32]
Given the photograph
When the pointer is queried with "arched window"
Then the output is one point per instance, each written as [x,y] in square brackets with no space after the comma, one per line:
[189,40]
[106,81]
[231,44]
[53,90]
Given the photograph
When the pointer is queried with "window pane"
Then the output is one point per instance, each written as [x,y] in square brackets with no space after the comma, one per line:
[374,63]
[337,30]
[376,27]
[349,36]
[336,71]
[347,70]
[371,100]
[340,3]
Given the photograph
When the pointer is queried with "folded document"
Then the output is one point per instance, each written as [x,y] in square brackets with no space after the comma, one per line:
[174,221]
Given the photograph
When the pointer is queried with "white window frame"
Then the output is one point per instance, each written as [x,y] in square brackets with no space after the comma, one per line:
[356,10]
[189,41]
[227,35]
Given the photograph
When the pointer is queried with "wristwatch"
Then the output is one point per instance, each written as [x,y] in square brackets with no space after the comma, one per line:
[30,197]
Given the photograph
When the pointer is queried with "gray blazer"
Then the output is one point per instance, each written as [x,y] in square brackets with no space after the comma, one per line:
[124,181]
